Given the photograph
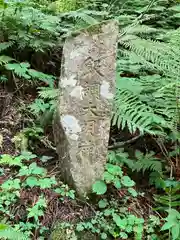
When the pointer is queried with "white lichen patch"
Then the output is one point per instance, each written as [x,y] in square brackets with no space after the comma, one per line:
[74,137]
[71,81]
[71,126]
[80,51]
[77,92]
[75,54]
[105,90]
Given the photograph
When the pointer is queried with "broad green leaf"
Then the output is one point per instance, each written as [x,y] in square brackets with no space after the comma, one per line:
[103,203]
[107,212]
[176,231]
[11,184]
[6,158]
[129,229]
[9,160]
[3,226]
[24,171]
[103,236]
[123,235]
[41,202]
[111,156]
[127,182]
[154,219]
[167,226]
[131,219]
[173,214]
[27,155]
[37,170]
[32,181]
[108,177]
[79,227]
[93,221]
[71,194]
[133,192]
[121,223]
[117,183]
[45,183]
[34,212]
[99,187]
[138,229]
[114,169]
[139,220]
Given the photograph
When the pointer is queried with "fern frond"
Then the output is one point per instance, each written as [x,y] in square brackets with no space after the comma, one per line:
[167,103]
[175,8]
[23,70]
[152,83]
[47,78]
[48,93]
[139,29]
[84,15]
[20,69]
[5,59]
[164,200]
[87,18]
[130,111]
[5,45]
[172,37]
[38,106]
[30,24]
[147,162]
[158,55]
[171,197]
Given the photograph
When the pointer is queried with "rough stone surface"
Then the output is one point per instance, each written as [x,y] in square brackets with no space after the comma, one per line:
[82,120]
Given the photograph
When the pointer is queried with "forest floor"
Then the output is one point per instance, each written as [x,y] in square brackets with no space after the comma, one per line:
[13,119]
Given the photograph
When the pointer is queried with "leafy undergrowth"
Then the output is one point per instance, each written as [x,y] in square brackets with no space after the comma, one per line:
[138,195]
[32,200]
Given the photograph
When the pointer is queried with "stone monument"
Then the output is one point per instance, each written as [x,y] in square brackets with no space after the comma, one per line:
[82,119]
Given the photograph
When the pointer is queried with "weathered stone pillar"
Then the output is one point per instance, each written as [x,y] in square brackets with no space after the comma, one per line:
[82,120]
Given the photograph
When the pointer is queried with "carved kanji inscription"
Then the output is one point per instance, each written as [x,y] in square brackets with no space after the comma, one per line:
[82,120]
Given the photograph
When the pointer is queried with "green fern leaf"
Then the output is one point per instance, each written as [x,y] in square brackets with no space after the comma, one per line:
[39,106]
[20,69]
[5,45]
[48,79]
[48,93]
[87,18]
[147,162]
[160,56]
[5,59]
[130,111]
[167,103]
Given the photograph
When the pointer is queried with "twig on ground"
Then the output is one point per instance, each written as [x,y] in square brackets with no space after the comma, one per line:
[121,144]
